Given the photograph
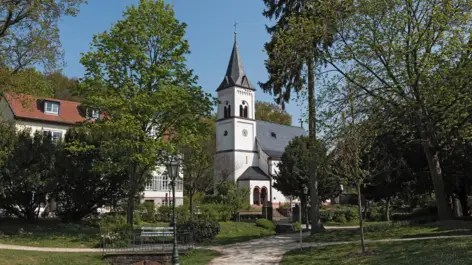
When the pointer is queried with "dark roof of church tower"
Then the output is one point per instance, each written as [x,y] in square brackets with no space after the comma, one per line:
[235,75]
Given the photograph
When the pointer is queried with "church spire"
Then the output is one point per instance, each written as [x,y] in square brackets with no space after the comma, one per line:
[235,75]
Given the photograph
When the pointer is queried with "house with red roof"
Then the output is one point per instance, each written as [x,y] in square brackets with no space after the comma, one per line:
[55,117]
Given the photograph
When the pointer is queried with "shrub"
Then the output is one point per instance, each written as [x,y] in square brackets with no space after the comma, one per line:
[114,230]
[148,212]
[339,217]
[326,215]
[202,230]
[351,214]
[182,214]
[264,223]
[215,212]
[296,227]
[376,214]
[163,214]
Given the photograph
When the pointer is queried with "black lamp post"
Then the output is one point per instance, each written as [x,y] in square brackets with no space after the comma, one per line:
[305,191]
[173,171]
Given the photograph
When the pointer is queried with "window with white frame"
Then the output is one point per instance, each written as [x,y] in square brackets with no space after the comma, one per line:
[51,107]
[94,114]
[158,183]
[55,136]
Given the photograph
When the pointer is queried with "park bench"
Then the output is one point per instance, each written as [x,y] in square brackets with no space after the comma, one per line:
[157,231]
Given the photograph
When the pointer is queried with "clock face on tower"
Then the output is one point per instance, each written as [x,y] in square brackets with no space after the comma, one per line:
[244,132]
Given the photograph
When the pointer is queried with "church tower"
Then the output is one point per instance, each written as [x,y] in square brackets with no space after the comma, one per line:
[235,126]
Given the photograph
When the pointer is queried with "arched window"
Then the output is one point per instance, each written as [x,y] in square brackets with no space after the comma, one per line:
[229,111]
[264,193]
[244,109]
[256,196]
[225,113]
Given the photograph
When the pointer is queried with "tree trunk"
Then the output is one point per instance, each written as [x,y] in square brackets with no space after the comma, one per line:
[432,156]
[387,210]
[190,202]
[464,201]
[316,225]
[131,197]
[456,205]
[361,224]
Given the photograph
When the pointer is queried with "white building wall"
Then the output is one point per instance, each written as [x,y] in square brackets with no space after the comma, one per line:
[274,166]
[40,126]
[259,183]
[161,194]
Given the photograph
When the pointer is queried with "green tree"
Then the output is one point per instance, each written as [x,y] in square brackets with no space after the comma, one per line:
[63,87]
[234,197]
[29,32]
[136,75]
[294,170]
[25,81]
[7,141]
[197,164]
[302,31]
[412,55]
[82,184]
[271,112]
[26,175]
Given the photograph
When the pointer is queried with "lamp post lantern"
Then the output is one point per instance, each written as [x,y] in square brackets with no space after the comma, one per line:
[173,171]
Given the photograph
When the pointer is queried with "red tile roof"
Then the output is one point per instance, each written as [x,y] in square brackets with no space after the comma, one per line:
[31,107]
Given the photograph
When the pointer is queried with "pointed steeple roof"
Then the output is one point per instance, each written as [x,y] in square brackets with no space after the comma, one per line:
[235,75]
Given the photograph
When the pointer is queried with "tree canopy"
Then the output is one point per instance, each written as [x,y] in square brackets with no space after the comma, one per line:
[136,75]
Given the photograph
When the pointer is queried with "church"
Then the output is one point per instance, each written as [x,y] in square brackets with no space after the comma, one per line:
[248,151]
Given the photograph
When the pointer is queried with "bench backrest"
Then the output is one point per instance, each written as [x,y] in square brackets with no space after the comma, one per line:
[155,229]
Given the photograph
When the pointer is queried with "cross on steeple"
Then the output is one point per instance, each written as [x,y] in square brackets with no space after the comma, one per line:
[235,32]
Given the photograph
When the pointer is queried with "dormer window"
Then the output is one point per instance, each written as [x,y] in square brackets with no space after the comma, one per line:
[51,107]
[93,114]
[273,134]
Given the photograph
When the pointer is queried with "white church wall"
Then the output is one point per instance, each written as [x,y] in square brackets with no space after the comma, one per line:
[242,161]
[244,141]
[259,183]
[224,142]
[245,184]
[274,166]
[225,96]
[224,167]
[244,95]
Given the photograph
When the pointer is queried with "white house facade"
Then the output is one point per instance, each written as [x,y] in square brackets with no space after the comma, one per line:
[248,150]
[55,116]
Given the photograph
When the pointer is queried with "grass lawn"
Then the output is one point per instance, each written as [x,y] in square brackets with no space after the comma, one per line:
[14,257]
[388,230]
[424,252]
[233,232]
[48,233]
[51,233]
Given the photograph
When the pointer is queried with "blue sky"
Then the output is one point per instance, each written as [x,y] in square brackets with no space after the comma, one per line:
[210,33]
